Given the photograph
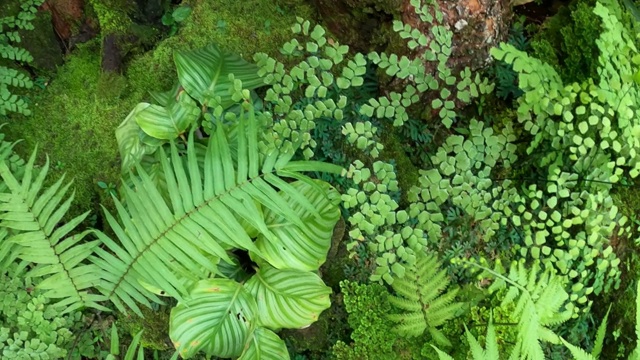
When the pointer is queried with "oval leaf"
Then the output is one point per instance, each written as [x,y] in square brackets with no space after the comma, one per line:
[264,344]
[204,74]
[130,144]
[303,248]
[288,298]
[169,122]
[217,318]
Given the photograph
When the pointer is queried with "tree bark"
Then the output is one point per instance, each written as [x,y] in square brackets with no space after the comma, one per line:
[477,25]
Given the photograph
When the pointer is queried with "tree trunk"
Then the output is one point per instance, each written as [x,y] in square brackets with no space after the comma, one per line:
[365,25]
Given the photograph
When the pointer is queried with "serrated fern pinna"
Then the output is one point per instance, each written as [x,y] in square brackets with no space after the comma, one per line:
[423,298]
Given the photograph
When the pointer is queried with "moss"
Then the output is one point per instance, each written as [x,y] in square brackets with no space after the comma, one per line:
[567,41]
[372,337]
[73,122]
[113,15]
[406,171]
[76,116]
[155,325]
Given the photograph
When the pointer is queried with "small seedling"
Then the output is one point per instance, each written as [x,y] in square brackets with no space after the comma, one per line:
[109,188]
[222,26]
[174,18]
[267,27]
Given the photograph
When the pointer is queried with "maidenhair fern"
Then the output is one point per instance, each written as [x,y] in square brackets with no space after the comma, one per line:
[424,300]
[10,49]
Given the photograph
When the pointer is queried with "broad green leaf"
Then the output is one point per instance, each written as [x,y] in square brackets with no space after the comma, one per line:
[210,205]
[181,13]
[204,74]
[128,134]
[164,98]
[167,123]
[264,344]
[288,298]
[217,318]
[302,247]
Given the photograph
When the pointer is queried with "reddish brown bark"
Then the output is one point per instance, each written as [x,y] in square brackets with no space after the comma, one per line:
[364,25]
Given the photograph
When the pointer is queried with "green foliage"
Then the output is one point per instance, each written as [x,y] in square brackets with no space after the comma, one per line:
[306,206]
[506,78]
[489,352]
[10,27]
[227,193]
[134,351]
[463,176]
[150,126]
[30,326]
[372,337]
[174,18]
[586,135]
[422,297]
[435,49]
[30,219]
[539,303]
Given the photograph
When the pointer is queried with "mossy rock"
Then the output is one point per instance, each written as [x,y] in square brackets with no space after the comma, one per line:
[43,44]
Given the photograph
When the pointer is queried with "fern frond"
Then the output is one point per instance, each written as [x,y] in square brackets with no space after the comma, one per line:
[577,352]
[422,297]
[474,346]
[541,302]
[209,209]
[600,334]
[441,354]
[31,215]
[489,352]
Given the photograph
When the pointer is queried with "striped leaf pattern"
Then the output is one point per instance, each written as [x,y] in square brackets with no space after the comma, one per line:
[306,247]
[288,298]
[204,74]
[30,217]
[168,122]
[264,344]
[206,211]
[217,318]
[130,143]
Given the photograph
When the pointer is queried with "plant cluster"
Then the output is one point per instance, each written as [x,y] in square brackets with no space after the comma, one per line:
[235,192]
[10,49]
[217,211]
[30,326]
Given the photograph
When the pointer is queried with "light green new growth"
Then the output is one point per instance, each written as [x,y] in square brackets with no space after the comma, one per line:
[540,303]
[588,134]
[489,352]
[298,96]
